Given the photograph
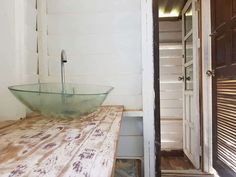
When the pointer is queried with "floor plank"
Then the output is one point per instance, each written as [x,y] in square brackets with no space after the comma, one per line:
[176,163]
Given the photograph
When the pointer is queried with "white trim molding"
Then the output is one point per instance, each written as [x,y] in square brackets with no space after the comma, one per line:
[148,88]
[207,86]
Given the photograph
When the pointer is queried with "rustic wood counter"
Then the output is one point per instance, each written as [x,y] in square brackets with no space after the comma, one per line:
[40,146]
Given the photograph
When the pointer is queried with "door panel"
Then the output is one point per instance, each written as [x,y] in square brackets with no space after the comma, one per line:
[189,49]
[234,7]
[224,86]
[191,120]
[234,45]
[221,50]
[220,18]
[188,20]
[189,77]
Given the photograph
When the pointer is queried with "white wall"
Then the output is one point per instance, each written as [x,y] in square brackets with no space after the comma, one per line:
[102,39]
[30,39]
[18,39]
[103,42]
[171,91]
[10,67]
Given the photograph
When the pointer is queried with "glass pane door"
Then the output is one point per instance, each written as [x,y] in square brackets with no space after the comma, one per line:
[188,49]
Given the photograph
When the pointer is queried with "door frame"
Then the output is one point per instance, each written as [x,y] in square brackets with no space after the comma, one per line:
[149,30]
[207,89]
[150,87]
[205,85]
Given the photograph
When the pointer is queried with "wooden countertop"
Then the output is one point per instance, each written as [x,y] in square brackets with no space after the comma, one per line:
[40,146]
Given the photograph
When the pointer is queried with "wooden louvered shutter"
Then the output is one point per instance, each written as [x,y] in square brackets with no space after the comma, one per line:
[224,86]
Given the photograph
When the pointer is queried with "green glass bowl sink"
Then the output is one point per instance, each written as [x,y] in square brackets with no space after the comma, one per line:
[48,98]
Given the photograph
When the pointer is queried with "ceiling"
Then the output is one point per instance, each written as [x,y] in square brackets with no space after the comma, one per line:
[171,8]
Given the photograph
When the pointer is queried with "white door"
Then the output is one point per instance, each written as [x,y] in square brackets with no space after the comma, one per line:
[191,120]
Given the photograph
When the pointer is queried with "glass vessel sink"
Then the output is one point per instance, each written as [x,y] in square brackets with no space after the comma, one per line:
[50,100]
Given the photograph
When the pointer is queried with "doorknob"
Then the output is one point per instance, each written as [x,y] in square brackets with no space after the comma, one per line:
[213,34]
[181,78]
[188,78]
[210,73]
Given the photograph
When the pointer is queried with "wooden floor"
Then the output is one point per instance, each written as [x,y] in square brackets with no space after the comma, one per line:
[180,162]
[176,164]
[186,175]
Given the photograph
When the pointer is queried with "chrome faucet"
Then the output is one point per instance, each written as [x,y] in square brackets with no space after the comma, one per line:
[63,61]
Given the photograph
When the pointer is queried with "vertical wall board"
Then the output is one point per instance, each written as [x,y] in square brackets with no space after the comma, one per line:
[132,126]
[131,137]
[130,146]
[100,41]
[11,32]
[171,91]
[30,49]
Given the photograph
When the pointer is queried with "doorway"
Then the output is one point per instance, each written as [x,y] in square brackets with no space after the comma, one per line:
[223,81]
[224,86]
[179,86]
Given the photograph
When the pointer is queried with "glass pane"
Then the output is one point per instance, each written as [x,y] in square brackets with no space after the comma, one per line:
[188,20]
[189,49]
[189,78]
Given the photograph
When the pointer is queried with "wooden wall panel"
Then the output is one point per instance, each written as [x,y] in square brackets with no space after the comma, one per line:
[220,50]
[102,39]
[170,88]
[234,45]
[130,146]
[131,138]
[77,6]
[30,42]
[170,134]
[234,8]
[60,24]
[166,35]
[220,17]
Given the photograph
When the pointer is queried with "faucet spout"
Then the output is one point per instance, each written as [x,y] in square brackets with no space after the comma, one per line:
[63,56]
[63,61]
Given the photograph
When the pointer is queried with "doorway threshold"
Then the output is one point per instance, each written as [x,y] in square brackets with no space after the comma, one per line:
[184,173]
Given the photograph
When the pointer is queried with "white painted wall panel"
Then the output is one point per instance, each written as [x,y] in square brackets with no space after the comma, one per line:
[130,146]
[171,53]
[94,64]
[94,44]
[30,63]
[131,102]
[30,38]
[102,39]
[103,22]
[170,36]
[30,49]
[131,137]
[171,91]
[171,134]
[10,67]
[30,13]
[92,6]
[170,31]
[170,26]
[171,103]
[131,126]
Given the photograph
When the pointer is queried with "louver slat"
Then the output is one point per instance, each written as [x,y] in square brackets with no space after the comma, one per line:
[226,122]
